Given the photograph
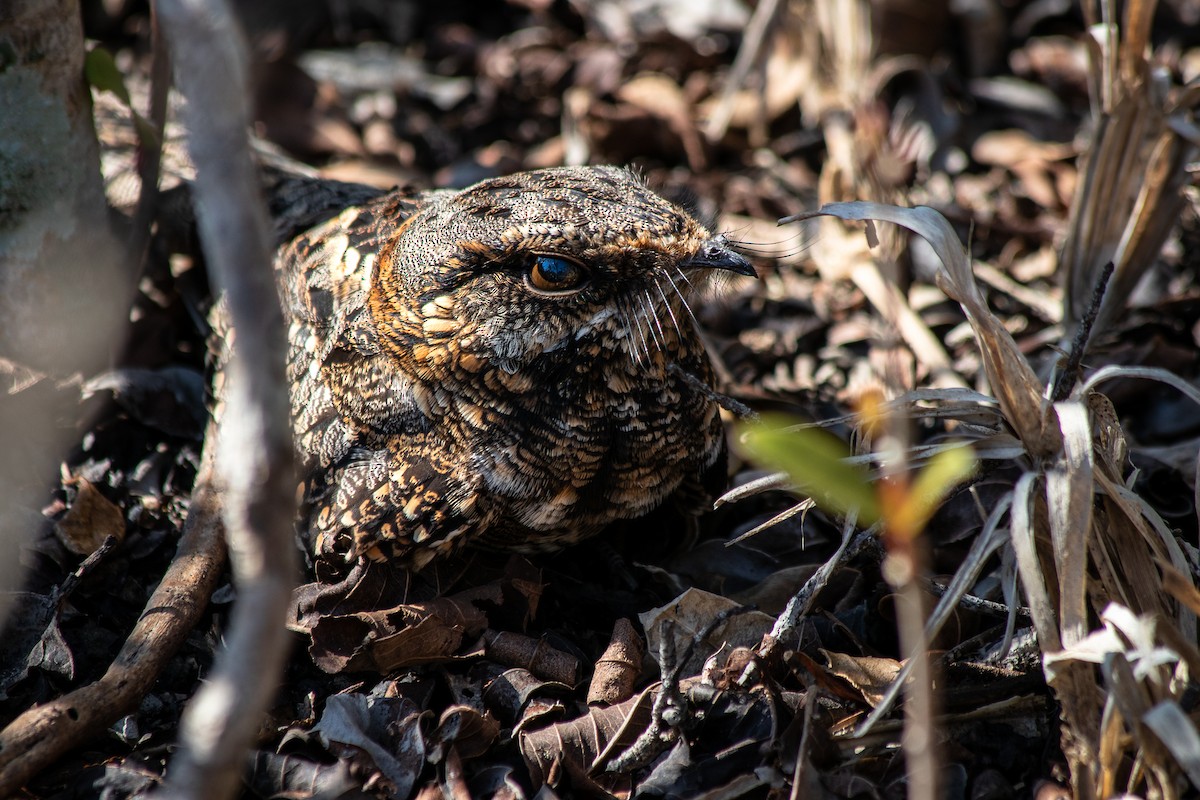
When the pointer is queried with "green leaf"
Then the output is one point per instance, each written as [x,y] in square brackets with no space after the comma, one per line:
[816,460]
[941,474]
[101,71]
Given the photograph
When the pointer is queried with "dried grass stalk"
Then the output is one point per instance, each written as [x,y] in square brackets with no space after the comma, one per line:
[1132,172]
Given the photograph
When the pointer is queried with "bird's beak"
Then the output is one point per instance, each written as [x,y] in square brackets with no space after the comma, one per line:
[716,254]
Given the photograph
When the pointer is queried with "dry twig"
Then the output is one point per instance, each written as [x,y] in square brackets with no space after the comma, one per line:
[254,447]
[35,739]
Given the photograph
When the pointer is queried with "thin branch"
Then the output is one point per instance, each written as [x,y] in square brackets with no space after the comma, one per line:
[254,446]
[150,152]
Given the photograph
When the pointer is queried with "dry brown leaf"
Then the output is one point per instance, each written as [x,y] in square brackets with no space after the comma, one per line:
[870,675]
[464,728]
[90,520]
[574,747]
[525,702]
[428,641]
[690,613]
[411,634]
[661,97]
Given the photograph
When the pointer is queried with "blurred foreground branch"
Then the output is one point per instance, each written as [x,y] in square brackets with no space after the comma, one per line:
[254,448]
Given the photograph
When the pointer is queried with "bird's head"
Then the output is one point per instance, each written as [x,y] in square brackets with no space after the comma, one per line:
[527,270]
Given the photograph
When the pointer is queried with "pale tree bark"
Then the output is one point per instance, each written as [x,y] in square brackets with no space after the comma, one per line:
[63,289]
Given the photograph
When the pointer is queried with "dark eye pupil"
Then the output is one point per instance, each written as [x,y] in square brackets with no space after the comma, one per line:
[558,271]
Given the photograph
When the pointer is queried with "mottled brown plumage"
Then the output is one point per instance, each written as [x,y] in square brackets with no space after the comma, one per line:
[495,366]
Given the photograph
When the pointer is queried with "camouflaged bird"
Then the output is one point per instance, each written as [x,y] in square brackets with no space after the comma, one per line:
[513,365]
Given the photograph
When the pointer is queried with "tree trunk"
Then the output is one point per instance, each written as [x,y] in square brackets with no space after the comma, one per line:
[63,292]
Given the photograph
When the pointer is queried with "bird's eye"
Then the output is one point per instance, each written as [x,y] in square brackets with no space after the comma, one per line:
[555,274]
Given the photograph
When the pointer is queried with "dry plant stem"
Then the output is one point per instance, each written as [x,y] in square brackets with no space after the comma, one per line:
[254,447]
[151,152]
[659,733]
[800,604]
[670,706]
[918,739]
[35,739]
[735,407]
[1070,372]
[747,57]
[804,775]
[978,604]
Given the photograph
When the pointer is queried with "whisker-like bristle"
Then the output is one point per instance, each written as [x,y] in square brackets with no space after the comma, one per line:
[636,335]
[630,348]
[740,244]
[682,298]
[667,303]
[660,341]
[636,318]
[691,286]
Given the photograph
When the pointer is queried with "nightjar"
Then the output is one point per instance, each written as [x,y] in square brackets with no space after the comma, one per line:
[512,366]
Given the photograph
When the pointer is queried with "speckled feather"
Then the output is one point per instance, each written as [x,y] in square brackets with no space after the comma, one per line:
[440,399]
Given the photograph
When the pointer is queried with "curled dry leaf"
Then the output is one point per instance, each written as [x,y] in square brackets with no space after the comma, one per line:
[385,729]
[532,654]
[619,667]
[367,621]
[571,749]
[32,639]
[521,699]
[281,775]
[870,675]
[90,520]
[464,728]
[407,635]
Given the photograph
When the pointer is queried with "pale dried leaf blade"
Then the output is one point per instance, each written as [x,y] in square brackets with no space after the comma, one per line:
[1148,373]
[1178,734]
[1069,500]
[1135,40]
[1014,382]
[1033,577]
